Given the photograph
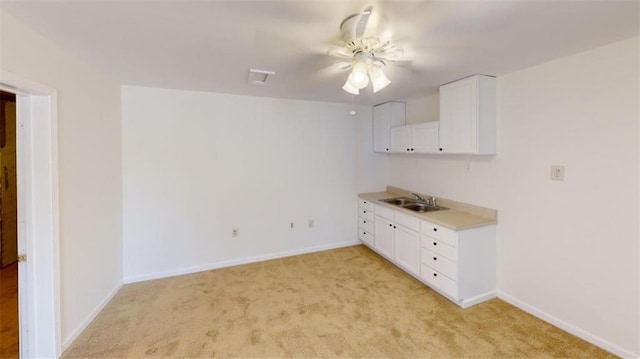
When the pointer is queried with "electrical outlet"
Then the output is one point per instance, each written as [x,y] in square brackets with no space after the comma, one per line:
[557,173]
[311,223]
[235,232]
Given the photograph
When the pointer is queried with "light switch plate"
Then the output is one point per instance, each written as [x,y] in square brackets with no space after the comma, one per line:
[557,173]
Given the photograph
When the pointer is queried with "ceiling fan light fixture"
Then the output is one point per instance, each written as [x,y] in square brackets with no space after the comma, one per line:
[378,79]
[358,78]
[367,42]
[350,89]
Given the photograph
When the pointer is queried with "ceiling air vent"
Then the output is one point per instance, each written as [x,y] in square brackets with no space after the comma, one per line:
[259,77]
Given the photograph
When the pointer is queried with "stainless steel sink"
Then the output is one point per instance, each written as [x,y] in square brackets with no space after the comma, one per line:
[419,207]
[412,205]
[399,201]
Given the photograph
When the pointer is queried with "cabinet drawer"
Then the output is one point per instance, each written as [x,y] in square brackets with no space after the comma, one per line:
[439,281]
[366,237]
[440,233]
[410,222]
[440,264]
[439,248]
[366,224]
[366,213]
[366,204]
[384,212]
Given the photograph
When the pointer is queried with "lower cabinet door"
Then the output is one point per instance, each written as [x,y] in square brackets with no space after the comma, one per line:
[407,249]
[366,237]
[384,237]
[440,264]
[439,281]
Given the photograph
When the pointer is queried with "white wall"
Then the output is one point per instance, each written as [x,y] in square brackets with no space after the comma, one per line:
[423,109]
[568,250]
[89,155]
[198,164]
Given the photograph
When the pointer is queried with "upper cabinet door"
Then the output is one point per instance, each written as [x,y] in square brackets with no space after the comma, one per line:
[425,137]
[401,139]
[468,116]
[385,117]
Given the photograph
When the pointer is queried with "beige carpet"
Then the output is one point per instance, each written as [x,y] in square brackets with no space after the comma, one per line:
[346,302]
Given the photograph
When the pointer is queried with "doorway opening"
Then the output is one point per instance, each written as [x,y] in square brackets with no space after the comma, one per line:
[9,315]
[37,228]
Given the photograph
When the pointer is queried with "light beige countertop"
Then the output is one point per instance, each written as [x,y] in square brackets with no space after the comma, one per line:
[459,216]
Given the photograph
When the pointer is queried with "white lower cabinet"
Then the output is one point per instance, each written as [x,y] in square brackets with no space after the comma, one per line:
[384,239]
[407,243]
[461,265]
[366,227]
[398,238]
[458,264]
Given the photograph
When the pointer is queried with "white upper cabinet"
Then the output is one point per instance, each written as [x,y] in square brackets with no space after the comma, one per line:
[418,138]
[400,139]
[425,137]
[468,116]
[385,117]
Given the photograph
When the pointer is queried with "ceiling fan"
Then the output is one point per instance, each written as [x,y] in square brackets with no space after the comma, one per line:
[367,45]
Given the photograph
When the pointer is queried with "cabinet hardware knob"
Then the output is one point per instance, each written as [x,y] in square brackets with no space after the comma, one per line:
[394,226]
[435,229]
[391,225]
[365,202]
[441,149]
[387,149]
[435,244]
[364,232]
[435,258]
[364,211]
[435,274]
[412,150]
[407,150]
[364,221]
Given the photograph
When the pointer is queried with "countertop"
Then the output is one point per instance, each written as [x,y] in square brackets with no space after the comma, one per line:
[460,216]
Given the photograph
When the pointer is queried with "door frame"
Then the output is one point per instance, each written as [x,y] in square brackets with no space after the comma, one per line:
[38,216]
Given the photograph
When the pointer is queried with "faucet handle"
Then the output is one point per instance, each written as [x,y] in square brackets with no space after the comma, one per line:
[432,201]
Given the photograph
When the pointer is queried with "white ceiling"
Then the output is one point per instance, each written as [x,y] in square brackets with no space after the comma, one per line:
[211,45]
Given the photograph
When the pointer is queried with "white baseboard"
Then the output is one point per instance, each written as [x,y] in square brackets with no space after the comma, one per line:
[477,299]
[580,333]
[94,313]
[230,263]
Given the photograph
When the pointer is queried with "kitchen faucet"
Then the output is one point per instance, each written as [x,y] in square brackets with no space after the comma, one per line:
[431,201]
[418,198]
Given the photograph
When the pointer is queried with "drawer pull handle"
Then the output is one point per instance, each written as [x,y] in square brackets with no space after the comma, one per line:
[435,274]
[435,258]
[435,229]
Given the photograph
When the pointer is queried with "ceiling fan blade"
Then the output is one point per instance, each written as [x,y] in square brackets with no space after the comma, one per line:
[343,65]
[403,63]
[340,52]
[362,23]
